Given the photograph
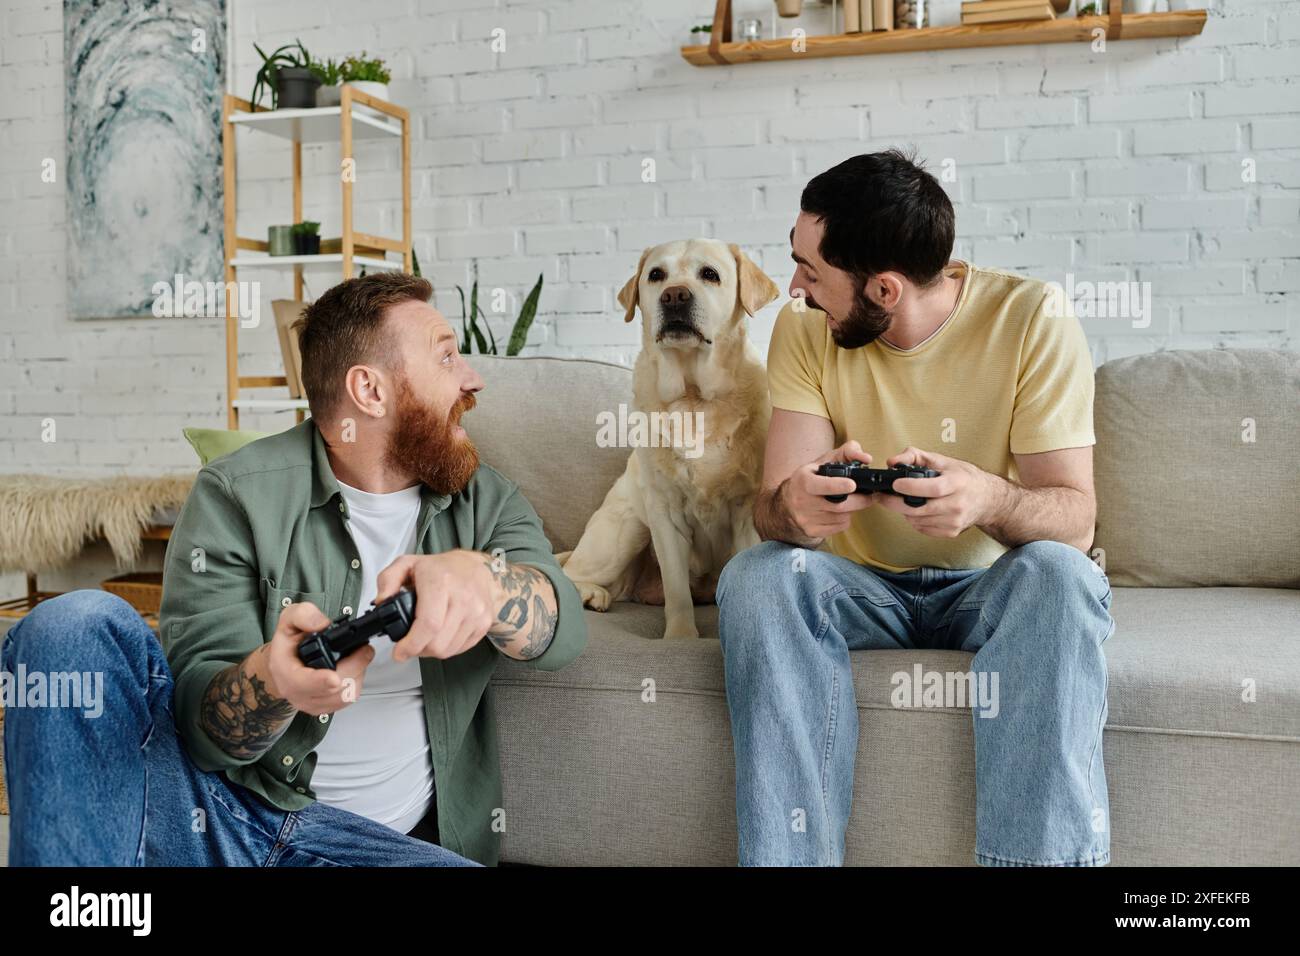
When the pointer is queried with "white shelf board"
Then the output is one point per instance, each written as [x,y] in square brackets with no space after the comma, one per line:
[319,125]
[325,259]
[270,404]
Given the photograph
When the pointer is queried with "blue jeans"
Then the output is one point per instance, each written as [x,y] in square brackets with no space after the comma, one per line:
[117,789]
[1035,619]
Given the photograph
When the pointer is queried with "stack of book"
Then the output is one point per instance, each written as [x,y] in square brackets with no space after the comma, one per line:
[866,16]
[1002,11]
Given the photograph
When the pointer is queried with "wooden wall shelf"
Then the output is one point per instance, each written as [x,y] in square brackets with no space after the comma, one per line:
[1115,26]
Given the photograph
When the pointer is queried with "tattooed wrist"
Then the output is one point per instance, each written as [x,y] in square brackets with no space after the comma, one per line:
[241,714]
[526,617]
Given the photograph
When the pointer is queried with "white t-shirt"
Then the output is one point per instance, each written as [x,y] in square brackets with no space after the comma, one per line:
[375,761]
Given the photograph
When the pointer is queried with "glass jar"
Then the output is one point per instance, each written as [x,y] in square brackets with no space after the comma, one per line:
[911,14]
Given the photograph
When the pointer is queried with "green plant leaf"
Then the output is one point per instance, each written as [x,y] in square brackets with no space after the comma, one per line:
[464,323]
[519,334]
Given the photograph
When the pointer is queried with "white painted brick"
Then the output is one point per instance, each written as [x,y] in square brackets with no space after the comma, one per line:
[1179,69]
[1204,280]
[1127,107]
[469,122]
[731,201]
[1278,275]
[1141,247]
[469,180]
[727,102]
[1251,244]
[590,79]
[1007,112]
[1061,77]
[580,333]
[1263,64]
[964,149]
[1191,136]
[553,51]
[522,210]
[576,15]
[542,240]
[1274,133]
[1186,213]
[949,84]
[615,205]
[1277,210]
[748,162]
[940,116]
[1252,100]
[535,144]
[556,174]
[723,131]
[618,138]
[1021,254]
[1053,184]
[1231,315]
[1267,172]
[481,26]
[1089,143]
[498,86]
[477,244]
[1081,217]
[842,123]
[567,112]
[667,168]
[1139,179]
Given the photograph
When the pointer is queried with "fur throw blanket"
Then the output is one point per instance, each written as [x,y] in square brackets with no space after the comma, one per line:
[45,521]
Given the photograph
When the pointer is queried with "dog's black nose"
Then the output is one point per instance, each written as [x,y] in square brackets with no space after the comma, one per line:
[676,295]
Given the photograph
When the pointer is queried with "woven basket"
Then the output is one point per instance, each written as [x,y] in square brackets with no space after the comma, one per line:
[142,590]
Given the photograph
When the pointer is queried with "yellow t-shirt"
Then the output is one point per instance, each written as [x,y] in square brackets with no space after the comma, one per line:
[1002,376]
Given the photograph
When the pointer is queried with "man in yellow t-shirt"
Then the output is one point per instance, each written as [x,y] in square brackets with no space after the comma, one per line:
[892,353]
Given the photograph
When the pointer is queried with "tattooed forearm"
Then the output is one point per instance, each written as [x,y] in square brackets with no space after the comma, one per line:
[240,715]
[526,619]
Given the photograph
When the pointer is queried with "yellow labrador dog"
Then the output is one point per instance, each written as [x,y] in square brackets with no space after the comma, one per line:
[700,389]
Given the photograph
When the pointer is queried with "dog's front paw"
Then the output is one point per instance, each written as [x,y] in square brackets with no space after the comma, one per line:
[681,631]
[593,596]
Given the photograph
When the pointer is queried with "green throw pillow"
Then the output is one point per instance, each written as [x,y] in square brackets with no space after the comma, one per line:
[214,443]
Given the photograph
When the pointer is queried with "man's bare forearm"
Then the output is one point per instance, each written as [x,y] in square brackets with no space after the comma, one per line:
[240,713]
[1019,515]
[773,521]
[527,613]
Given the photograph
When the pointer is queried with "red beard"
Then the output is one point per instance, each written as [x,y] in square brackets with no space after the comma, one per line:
[426,447]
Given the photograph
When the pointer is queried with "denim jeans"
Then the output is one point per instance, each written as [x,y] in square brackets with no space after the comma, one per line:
[117,789]
[1036,619]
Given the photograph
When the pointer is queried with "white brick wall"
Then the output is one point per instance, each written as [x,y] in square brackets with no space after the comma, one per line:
[1122,164]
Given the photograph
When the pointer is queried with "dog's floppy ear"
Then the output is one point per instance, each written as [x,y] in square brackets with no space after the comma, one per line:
[627,296]
[754,287]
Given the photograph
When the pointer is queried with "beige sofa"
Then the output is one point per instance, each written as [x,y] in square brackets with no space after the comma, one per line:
[1198,482]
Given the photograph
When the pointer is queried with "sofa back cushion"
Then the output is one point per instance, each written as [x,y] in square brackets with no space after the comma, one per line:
[536,423]
[1198,468]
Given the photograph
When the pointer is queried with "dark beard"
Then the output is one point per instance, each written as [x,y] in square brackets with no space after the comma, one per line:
[425,446]
[866,322]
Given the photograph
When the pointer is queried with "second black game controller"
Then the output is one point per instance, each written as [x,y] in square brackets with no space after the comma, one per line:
[326,648]
[871,480]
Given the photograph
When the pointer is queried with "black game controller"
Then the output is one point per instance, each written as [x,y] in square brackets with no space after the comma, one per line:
[876,479]
[326,648]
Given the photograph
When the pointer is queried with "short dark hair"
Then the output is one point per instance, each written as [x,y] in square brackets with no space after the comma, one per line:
[882,212]
[344,327]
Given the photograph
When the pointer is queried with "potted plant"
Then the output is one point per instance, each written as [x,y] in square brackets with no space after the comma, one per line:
[306,238]
[279,240]
[330,74]
[1089,9]
[700,34]
[789,8]
[487,345]
[287,74]
[370,76]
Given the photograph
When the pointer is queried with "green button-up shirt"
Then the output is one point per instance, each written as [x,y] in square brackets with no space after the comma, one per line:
[264,527]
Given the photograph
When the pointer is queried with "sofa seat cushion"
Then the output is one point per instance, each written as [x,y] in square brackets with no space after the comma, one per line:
[1177,661]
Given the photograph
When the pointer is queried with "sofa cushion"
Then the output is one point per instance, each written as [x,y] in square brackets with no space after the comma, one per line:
[536,423]
[1176,662]
[599,771]
[1189,491]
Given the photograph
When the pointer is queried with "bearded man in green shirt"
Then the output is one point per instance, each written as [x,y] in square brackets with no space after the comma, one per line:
[218,746]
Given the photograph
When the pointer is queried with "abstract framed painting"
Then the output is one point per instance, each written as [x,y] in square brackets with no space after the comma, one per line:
[144,81]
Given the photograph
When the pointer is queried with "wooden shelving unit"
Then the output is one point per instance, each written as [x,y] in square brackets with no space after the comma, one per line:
[357,117]
[1114,24]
